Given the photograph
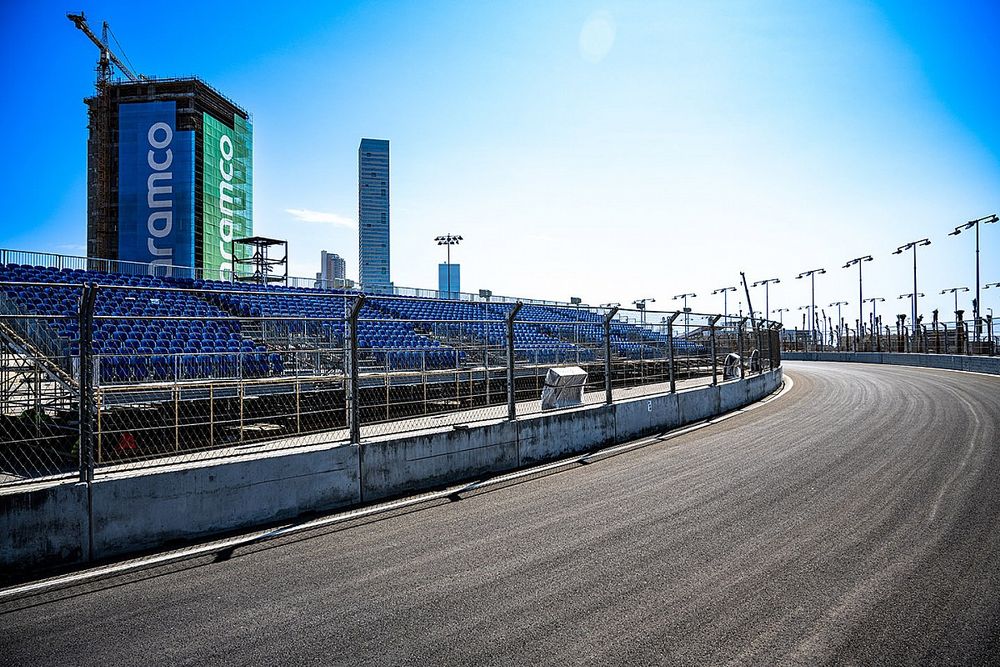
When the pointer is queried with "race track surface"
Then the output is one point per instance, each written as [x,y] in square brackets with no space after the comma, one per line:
[854,520]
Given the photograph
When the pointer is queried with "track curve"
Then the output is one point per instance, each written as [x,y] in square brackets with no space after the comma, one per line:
[855,520]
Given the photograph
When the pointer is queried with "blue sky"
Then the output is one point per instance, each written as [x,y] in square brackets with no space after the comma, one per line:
[608,150]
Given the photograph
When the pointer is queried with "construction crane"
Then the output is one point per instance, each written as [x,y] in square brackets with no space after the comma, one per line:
[108,56]
[102,219]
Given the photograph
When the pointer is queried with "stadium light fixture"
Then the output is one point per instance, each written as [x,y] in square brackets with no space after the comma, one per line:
[448,240]
[687,312]
[725,301]
[838,304]
[985,220]
[808,309]
[861,294]
[767,297]
[873,300]
[811,274]
[955,291]
[781,315]
[640,305]
[899,251]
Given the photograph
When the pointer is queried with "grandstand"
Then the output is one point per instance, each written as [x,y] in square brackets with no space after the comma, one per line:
[181,364]
[154,329]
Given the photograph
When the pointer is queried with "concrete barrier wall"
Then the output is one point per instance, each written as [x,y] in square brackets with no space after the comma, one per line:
[639,418]
[549,437]
[135,512]
[45,525]
[702,403]
[138,511]
[733,395]
[395,466]
[955,362]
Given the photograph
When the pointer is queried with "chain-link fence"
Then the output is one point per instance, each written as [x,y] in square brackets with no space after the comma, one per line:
[140,370]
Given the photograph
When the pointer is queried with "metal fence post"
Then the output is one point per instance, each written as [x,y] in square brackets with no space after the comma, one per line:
[770,347]
[88,297]
[715,358]
[760,343]
[777,345]
[353,408]
[739,335]
[511,404]
[610,315]
[670,349]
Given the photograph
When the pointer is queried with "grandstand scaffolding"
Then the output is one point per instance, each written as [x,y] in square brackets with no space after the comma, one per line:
[258,258]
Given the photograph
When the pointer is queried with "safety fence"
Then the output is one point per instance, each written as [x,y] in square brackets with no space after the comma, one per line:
[936,337]
[116,376]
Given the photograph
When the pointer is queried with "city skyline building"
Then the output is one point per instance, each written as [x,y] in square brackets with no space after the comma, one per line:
[333,270]
[449,280]
[373,214]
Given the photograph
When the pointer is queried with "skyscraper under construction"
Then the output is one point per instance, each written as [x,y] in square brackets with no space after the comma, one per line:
[169,175]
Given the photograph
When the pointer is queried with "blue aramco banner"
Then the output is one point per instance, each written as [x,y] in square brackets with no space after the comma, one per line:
[155,188]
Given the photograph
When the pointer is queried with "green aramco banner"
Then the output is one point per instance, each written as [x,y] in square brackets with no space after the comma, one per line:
[227,193]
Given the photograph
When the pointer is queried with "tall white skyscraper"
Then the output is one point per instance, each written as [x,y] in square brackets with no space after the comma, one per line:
[373,214]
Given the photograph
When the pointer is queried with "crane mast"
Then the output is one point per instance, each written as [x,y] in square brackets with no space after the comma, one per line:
[107,57]
[99,210]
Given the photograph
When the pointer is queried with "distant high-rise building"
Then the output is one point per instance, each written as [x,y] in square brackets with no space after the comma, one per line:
[332,266]
[373,214]
[333,272]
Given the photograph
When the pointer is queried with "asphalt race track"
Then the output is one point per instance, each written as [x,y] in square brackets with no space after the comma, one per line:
[854,520]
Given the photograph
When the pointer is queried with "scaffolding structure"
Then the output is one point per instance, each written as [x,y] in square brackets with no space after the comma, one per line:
[257,257]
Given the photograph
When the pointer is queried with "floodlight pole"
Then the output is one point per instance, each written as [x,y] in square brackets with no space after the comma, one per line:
[875,331]
[955,291]
[861,294]
[448,240]
[687,313]
[640,305]
[988,286]
[767,297]
[725,300]
[913,245]
[986,219]
[811,274]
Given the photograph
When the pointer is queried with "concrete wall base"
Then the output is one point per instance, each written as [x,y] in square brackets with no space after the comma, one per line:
[52,524]
[954,362]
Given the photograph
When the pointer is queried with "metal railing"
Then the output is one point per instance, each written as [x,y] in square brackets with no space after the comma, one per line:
[122,267]
[936,337]
[164,375]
